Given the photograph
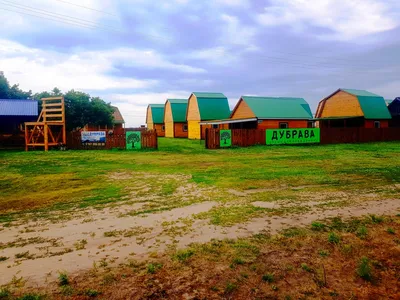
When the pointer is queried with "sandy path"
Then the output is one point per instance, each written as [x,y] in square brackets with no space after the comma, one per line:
[135,237]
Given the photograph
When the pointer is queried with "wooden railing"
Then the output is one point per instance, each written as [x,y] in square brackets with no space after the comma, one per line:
[251,137]
[118,141]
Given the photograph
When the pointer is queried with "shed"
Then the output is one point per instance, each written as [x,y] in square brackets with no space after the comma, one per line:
[205,107]
[353,108]
[394,109]
[155,118]
[15,112]
[175,118]
[270,113]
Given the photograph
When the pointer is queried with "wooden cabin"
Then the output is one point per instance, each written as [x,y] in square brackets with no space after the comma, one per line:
[353,108]
[203,107]
[155,118]
[116,128]
[394,109]
[270,113]
[15,112]
[175,118]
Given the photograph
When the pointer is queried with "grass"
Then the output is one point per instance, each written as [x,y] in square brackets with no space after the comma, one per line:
[30,182]
[364,269]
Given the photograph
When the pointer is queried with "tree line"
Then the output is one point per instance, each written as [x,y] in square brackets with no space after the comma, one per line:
[80,107]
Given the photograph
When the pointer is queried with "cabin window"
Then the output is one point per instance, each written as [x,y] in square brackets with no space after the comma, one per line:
[215,126]
[377,124]
[311,124]
[260,121]
[283,125]
[163,128]
[185,128]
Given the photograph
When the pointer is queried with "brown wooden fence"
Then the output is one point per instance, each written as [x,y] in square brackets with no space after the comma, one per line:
[74,142]
[250,137]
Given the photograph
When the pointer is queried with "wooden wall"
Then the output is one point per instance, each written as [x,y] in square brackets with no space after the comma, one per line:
[204,127]
[274,124]
[168,121]
[341,104]
[193,118]
[178,130]
[159,128]
[371,123]
[149,118]
[242,111]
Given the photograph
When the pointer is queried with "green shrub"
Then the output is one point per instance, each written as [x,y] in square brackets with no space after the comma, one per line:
[317,226]
[323,253]
[362,232]
[333,238]
[63,279]
[152,268]
[364,269]
[31,297]
[4,293]
[184,255]
[376,219]
[230,287]
[91,293]
[391,230]
[238,261]
[268,278]
[306,268]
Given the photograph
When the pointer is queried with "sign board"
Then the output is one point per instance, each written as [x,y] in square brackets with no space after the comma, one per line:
[93,136]
[293,136]
[225,138]
[133,140]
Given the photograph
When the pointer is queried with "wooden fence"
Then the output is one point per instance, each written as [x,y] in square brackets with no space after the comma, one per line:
[148,141]
[251,137]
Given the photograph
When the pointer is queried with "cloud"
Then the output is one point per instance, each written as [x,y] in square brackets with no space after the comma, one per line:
[216,55]
[236,33]
[133,106]
[233,3]
[347,19]
[42,69]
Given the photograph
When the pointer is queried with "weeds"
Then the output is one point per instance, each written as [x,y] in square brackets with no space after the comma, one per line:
[3,258]
[230,287]
[317,226]
[25,255]
[268,278]
[91,293]
[362,232]
[375,219]
[4,293]
[152,268]
[333,238]
[63,279]
[391,230]
[323,253]
[80,245]
[184,255]
[364,269]
[305,267]
[31,297]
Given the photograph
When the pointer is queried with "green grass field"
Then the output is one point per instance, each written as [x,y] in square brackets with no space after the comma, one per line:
[43,182]
[286,222]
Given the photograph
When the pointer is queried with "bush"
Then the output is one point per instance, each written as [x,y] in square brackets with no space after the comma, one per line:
[63,279]
[391,230]
[333,238]
[230,287]
[376,219]
[268,278]
[364,269]
[152,268]
[317,226]
[362,232]
[184,255]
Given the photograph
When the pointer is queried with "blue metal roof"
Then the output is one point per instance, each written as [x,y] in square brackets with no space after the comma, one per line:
[18,107]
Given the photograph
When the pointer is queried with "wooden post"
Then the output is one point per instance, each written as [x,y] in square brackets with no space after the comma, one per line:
[46,137]
[26,138]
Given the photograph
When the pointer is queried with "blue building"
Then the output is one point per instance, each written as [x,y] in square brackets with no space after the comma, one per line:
[14,113]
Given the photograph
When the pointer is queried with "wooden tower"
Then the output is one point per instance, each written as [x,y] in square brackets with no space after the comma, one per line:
[49,130]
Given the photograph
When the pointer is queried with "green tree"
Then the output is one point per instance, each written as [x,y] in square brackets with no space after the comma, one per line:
[133,138]
[11,92]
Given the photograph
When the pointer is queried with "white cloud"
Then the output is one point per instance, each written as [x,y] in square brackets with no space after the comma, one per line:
[347,19]
[234,3]
[133,106]
[216,55]
[42,70]
[36,15]
[236,33]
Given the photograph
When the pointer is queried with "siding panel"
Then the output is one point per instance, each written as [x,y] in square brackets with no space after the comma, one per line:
[342,104]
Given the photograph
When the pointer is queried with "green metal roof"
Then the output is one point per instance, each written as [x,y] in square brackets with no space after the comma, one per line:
[279,108]
[157,112]
[178,107]
[360,93]
[388,101]
[213,106]
[208,95]
[372,105]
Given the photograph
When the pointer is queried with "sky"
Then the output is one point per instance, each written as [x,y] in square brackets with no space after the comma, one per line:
[135,52]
